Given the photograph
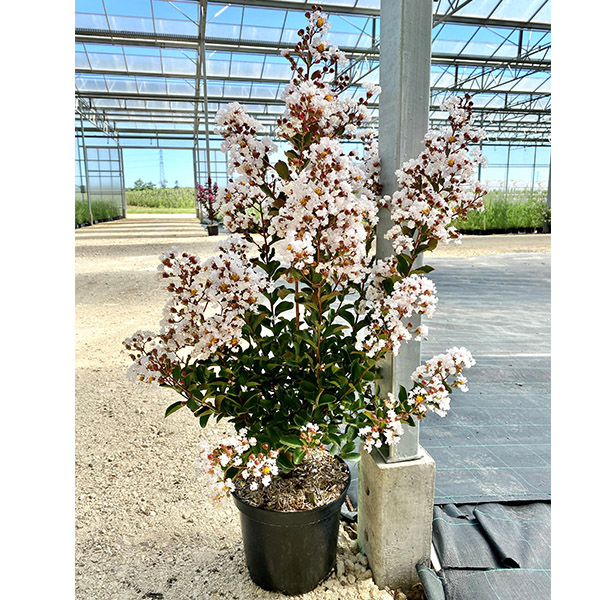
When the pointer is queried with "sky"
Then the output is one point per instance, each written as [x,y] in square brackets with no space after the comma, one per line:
[145,164]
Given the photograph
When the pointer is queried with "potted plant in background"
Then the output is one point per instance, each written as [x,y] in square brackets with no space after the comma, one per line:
[281,333]
[207,196]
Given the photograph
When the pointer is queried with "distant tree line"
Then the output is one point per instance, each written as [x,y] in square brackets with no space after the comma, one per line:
[148,185]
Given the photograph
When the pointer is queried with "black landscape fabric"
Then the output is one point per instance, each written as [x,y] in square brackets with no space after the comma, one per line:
[490,551]
[494,444]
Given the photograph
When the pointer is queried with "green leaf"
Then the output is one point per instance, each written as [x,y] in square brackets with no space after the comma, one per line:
[308,387]
[299,455]
[402,264]
[283,291]
[175,406]
[284,463]
[423,269]
[203,419]
[265,188]
[327,399]
[292,441]
[282,170]
[350,455]
[347,316]
[283,306]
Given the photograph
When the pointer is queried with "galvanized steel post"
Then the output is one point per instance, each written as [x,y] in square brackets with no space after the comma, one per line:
[404,67]
[396,487]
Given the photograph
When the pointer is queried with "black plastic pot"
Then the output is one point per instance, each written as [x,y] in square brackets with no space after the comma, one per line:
[290,552]
[212,229]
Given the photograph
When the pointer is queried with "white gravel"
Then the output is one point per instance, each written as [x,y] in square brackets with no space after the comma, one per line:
[146,527]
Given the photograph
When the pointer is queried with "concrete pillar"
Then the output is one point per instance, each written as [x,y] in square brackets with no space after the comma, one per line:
[396,486]
[405,65]
[395,502]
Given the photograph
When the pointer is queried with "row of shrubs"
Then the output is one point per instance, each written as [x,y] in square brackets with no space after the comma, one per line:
[504,210]
[101,211]
[507,212]
[181,197]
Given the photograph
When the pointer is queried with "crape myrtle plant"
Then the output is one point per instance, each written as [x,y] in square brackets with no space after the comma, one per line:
[281,332]
[207,197]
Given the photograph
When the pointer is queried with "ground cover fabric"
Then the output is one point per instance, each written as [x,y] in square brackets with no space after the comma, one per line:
[494,444]
[498,551]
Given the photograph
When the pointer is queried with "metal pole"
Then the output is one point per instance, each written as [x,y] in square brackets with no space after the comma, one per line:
[405,67]
[122,174]
[204,10]
[507,171]
[85,166]
[548,199]
[533,170]
[194,152]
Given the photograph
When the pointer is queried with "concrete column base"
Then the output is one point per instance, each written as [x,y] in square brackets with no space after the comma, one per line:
[395,515]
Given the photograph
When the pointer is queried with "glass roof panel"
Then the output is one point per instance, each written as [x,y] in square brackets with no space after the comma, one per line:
[91,21]
[176,27]
[178,65]
[81,60]
[180,86]
[156,85]
[223,30]
[105,61]
[89,83]
[260,33]
[131,8]
[122,84]
[246,69]
[257,77]
[143,63]
[517,9]
[173,9]
[263,16]
[137,24]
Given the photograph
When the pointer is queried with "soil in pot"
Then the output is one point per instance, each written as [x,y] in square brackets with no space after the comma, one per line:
[293,548]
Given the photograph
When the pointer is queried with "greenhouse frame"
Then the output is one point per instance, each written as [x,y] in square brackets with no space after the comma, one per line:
[154,73]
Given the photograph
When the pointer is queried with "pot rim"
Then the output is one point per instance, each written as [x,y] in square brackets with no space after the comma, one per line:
[300,515]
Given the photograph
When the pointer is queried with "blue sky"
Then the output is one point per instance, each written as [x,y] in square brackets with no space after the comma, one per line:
[145,164]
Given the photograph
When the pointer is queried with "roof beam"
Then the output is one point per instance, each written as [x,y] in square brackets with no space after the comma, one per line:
[307,6]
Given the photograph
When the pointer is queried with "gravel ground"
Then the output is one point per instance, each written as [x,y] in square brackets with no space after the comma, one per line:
[146,527]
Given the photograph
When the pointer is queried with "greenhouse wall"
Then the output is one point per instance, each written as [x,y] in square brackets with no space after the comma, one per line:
[99,183]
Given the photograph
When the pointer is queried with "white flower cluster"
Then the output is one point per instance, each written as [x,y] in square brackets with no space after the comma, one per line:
[387,429]
[244,205]
[233,453]
[311,435]
[439,186]
[309,102]
[203,313]
[320,49]
[389,313]
[325,219]
[151,358]
[432,380]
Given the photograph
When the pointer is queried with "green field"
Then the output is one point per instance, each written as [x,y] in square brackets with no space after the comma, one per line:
[166,211]
[162,198]
[515,209]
